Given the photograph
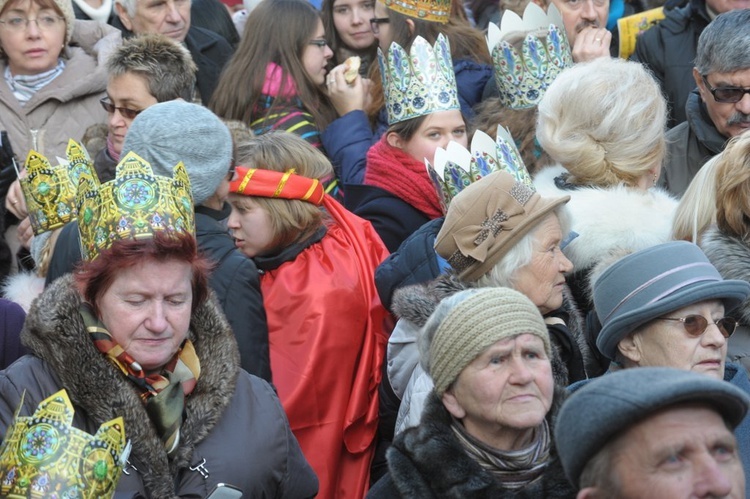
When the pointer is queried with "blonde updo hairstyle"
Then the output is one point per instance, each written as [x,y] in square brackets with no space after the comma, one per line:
[292,220]
[604,121]
[733,188]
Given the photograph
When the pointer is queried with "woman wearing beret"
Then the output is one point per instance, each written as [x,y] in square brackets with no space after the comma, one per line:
[486,429]
[136,333]
[325,322]
[668,306]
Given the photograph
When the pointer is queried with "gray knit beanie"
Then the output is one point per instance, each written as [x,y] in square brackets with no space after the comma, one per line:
[169,132]
[465,324]
[66,7]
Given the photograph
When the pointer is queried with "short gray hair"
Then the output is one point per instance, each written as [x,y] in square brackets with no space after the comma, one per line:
[724,46]
[128,5]
[504,272]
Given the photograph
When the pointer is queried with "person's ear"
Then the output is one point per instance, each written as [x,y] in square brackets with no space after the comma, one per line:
[630,347]
[123,15]
[453,406]
[410,24]
[700,84]
[589,493]
[395,140]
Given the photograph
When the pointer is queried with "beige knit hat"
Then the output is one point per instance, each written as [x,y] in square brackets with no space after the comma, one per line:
[66,7]
[486,219]
[481,318]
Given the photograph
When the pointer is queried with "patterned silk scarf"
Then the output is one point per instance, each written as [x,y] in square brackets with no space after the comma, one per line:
[162,393]
[514,469]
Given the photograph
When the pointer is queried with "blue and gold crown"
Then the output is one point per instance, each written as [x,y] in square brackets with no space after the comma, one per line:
[134,205]
[50,191]
[420,82]
[456,168]
[44,456]
[438,11]
[524,70]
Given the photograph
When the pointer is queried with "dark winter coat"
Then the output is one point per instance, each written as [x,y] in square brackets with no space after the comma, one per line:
[234,279]
[11,322]
[233,422]
[689,146]
[427,462]
[668,50]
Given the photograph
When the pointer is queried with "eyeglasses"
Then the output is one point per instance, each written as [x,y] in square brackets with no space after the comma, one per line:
[375,23]
[729,95]
[696,325]
[128,114]
[18,24]
[319,42]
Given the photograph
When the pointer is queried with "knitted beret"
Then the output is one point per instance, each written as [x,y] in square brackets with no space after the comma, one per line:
[66,7]
[173,131]
[487,316]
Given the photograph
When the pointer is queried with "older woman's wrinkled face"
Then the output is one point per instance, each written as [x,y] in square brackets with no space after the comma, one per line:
[147,310]
[543,279]
[31,36]
[503,394]
[665,343]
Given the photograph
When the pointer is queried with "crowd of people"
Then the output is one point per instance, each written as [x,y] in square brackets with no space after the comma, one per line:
[374,248]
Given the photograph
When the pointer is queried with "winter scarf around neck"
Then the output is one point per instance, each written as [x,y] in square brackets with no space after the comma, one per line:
[25,86]
[393,170]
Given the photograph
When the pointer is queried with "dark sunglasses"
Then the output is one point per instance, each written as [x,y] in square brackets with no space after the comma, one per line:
[696,325]
[126,113]
[728,95]
[375,23]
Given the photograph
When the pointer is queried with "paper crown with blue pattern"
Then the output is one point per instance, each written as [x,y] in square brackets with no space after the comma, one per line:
[420,82]
[50,190]
[134,205]
[438,11]
[456,167]
[45,456]
[525,70]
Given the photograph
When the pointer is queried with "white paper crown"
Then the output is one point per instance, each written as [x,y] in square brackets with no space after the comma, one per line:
[456,168]
[420,82]
[522,78]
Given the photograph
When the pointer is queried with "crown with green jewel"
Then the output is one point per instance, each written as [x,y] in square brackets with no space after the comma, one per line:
[524,70]
[50,191]
[456,167]
[45,456]
[419,82]
[134,205]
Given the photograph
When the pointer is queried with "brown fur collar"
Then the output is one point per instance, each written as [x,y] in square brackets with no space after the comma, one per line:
[54,332]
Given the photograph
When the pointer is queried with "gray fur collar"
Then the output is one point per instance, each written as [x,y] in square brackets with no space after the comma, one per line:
[416,303]
[731,257]
[54,332]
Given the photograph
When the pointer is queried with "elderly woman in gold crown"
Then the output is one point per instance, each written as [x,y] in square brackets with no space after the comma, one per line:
[135,333]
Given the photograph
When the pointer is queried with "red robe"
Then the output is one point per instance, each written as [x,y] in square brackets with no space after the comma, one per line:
[327,343]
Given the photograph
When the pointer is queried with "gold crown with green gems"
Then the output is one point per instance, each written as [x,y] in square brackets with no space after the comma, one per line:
[134,205]
[45,456]
[50,190]
[456,167]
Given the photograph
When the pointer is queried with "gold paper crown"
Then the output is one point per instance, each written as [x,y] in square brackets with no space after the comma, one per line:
[420,82]
[456,167]
[44,456]
[438,11]
[523,78]
[134,205]
[50,191]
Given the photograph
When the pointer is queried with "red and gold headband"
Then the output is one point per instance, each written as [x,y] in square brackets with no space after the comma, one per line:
[272,184]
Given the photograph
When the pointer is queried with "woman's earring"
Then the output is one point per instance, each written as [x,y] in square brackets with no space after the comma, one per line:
[656,178]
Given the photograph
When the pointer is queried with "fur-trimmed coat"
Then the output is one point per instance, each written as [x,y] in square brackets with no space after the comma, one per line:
[414,305]
[731,257]
[607,220]
[233,422]
[428,462]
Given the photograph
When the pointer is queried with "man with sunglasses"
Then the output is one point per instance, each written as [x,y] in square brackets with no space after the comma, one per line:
[719,108]
[668,306]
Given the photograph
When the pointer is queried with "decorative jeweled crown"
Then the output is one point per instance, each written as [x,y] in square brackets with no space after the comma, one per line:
[420,82]
[134,205]
[523,78]
[50,191]
[438,11]
[456,168]
[45,456]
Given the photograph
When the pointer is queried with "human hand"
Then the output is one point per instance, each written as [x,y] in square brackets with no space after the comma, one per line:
[25,233]
[591,43]
[346,97]
[15,202]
